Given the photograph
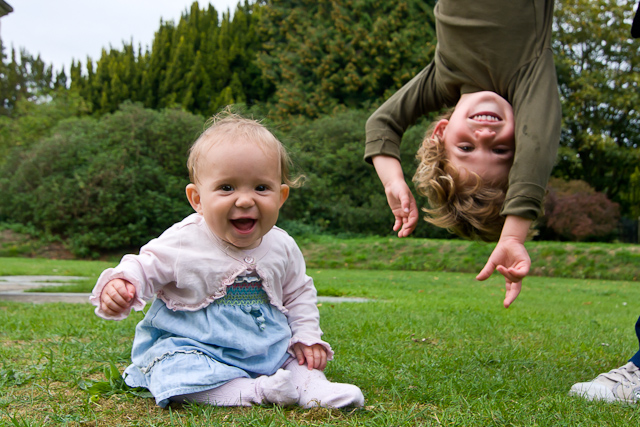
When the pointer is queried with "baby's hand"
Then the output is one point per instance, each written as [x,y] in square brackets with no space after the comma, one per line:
[117,296]
[315,355]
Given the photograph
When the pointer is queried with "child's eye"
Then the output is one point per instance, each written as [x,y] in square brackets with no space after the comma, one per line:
[226,187]
[500,150]
[261,188]
[466,148]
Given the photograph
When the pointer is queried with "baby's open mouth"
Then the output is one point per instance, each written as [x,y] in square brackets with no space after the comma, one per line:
[243,224]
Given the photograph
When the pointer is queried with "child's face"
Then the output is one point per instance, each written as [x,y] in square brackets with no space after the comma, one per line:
[239,192]
[479,136]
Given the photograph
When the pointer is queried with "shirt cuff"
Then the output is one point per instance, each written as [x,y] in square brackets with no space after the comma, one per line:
[524,200]
[381,146]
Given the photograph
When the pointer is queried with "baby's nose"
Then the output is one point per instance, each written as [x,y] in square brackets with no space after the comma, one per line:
[244,200]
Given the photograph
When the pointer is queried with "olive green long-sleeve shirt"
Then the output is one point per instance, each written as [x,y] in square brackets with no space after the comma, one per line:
[496,45]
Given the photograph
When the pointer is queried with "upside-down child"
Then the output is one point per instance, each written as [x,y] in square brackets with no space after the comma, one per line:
[484,166]
[234,320]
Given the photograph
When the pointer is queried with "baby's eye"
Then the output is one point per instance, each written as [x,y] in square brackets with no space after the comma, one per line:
[262,188]
[501,150]
[226,187]
[466,148]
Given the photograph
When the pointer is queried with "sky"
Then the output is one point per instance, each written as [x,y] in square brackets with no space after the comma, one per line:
[62,30]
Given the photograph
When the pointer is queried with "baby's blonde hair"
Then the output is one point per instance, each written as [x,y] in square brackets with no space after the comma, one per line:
[463,204]
[227,126]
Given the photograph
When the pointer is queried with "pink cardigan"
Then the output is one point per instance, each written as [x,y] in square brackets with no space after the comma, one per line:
[188,267]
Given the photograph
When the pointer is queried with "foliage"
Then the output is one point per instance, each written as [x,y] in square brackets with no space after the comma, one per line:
[316,69]
[21,240]
[599,79]
[583,216]
[303,57]
[114,384]
[575,211]
[200,64]
[24,76]
[103,183]
[116,182]
[342,194]
[323,54]
[32,121]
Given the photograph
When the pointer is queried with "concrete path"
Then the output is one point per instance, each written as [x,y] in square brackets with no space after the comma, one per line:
[12,288]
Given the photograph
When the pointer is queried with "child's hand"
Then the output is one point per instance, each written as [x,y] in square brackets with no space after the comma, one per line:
[511,260]
[401,201]
[404,208]
[315,355]
[117,296]
[510,257]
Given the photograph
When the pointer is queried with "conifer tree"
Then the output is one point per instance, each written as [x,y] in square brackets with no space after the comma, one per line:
[198,63]
[23,76]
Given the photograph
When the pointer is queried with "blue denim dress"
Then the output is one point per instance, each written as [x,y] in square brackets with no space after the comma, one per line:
[180,352]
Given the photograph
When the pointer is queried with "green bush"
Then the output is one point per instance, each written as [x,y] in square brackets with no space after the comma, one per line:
[104,184]
[342,193]
[115,182]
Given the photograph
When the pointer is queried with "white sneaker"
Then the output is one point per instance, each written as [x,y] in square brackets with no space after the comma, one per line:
[618,385]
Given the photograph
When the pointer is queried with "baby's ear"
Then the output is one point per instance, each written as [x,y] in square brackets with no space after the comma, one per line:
[284,193]
[194,197]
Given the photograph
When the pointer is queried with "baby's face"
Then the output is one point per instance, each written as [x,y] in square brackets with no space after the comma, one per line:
[239,192]
[479,136]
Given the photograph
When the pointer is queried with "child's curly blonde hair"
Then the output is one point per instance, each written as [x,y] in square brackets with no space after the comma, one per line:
[464,205]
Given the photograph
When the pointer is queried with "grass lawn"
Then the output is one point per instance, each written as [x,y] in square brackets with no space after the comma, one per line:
[431,348]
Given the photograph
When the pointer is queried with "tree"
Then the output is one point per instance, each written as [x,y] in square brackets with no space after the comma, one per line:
[323,54]
[23,77]
[598,68]
[197,64]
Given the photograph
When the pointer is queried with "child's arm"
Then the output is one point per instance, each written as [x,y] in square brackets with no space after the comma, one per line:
[315,355]
[384,131]
[117,296]
[401,201]
[510,257]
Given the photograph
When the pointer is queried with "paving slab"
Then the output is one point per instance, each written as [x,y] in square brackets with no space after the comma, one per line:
[18,283]
[12,288]
[43,297]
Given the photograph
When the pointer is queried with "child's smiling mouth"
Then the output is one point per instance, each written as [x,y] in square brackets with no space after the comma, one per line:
[486,117]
